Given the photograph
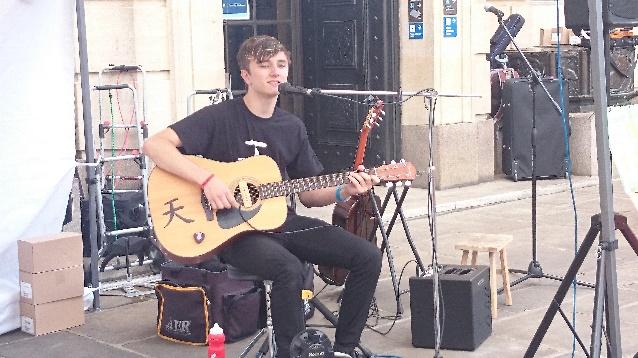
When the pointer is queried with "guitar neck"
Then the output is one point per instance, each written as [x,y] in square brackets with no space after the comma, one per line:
[361,148]
[285,188]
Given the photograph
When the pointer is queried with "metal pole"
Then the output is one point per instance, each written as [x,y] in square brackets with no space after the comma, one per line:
[599,40]
[430,100]
[88,145]
[422,93]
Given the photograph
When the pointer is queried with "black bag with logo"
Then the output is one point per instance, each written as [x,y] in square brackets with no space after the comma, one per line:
[237,306]
[186,322]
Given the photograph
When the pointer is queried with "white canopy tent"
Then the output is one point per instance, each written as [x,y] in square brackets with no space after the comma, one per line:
[37,116]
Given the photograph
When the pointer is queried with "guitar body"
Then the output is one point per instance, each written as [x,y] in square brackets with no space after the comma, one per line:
[355,215]
[187,232]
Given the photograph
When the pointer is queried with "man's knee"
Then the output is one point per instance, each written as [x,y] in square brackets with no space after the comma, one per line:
[370,259]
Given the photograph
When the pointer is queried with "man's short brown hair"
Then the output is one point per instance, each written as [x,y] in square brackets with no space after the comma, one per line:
[259,48]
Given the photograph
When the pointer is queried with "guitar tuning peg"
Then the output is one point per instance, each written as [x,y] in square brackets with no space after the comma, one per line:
[402,161]
[383,113]
[392,162]
[383,163]
[377,124]
[388,184]
[399,184]
[408,183]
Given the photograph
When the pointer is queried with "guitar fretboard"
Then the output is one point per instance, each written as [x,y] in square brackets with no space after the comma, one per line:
[285,188]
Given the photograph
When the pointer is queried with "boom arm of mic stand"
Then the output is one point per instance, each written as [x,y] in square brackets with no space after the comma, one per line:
[535,76]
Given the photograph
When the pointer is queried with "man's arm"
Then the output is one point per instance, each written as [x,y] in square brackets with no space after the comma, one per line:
[360,182]
[162,149]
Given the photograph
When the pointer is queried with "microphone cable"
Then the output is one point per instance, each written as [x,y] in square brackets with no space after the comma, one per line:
[568,162]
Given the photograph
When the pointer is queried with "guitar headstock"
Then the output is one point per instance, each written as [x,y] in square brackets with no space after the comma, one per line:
[375,115]
[396,172]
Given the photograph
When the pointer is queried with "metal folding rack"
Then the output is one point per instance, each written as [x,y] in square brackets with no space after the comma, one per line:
[107,185]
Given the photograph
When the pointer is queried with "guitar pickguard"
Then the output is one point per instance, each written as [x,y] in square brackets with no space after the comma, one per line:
[229,218]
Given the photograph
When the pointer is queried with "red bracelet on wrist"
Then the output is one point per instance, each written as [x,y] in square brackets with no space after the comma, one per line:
[203,184]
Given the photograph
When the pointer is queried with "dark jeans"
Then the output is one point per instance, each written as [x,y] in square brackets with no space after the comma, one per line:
[278,256]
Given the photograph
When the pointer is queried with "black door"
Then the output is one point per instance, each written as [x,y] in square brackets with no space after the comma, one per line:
[349,45]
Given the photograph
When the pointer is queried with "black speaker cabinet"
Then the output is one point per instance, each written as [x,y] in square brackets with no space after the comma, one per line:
[465,315]
[517,130]
[619,13]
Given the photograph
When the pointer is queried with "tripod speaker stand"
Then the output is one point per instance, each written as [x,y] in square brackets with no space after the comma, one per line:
[620,223]
[606,296]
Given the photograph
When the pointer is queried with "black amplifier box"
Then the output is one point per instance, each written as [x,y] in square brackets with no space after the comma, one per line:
[465,316]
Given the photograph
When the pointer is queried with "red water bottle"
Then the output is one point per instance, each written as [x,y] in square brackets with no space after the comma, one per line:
[216,340]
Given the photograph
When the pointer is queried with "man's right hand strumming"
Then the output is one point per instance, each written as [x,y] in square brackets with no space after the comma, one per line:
[218,195]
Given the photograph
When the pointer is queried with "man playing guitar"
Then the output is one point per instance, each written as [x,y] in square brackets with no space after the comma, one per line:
[240,128]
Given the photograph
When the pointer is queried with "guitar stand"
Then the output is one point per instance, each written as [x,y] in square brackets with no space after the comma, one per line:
[604,288]
[385,234]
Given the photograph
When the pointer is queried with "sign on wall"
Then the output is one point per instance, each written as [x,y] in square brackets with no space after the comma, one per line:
[450,27]
[415,19]
[416,30]
[449,7]
[235,10]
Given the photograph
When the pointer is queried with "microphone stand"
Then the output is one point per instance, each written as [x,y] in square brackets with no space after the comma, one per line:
[534,270]
[430,96]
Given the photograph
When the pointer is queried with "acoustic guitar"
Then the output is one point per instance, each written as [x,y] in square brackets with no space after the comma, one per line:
[188,231]
[356,215]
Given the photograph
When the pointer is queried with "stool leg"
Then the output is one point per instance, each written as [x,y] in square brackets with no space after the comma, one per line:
[464,257]
[494,297]
[474,255]
[271,334]
[506,278]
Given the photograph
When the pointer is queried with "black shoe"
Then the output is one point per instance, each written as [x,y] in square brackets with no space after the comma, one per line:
[353,354]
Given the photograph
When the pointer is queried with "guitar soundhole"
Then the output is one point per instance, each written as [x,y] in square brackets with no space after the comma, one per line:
[253,191]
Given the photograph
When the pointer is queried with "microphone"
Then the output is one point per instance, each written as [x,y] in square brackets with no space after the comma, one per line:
[286,87]
[494,11]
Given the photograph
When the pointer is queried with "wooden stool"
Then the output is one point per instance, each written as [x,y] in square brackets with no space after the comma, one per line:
[489,243]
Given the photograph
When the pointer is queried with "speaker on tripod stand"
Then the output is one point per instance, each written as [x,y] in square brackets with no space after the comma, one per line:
[519,105]
[617,13]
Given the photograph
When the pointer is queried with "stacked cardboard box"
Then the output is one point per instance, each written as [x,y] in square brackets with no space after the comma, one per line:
[51,282]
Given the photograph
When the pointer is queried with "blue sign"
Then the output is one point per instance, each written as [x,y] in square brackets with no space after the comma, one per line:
[416,30]
[450,26]
[235,10]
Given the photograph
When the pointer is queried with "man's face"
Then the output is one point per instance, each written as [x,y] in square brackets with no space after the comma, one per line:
[264,77]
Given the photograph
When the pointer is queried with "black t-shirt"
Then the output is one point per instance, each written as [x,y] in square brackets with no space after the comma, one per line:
[228,132]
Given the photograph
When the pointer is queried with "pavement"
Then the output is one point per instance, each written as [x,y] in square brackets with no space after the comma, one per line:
[126,326]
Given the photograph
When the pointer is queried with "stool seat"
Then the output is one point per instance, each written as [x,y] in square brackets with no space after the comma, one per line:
[492,244]
[484,242]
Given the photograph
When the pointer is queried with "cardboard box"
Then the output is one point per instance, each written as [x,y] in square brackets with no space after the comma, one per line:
[550,36]
[43,287]
[50,252]
[51,317]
